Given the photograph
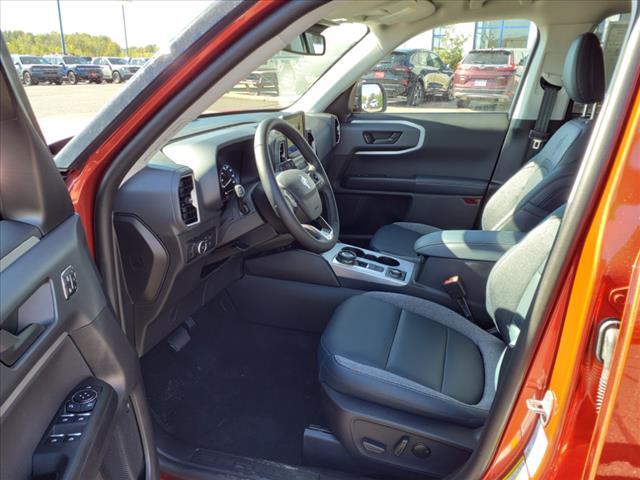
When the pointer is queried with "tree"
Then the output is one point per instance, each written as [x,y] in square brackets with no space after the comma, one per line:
[81,44]
[451,48]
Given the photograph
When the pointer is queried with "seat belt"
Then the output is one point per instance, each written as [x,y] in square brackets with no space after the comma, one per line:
[539,135]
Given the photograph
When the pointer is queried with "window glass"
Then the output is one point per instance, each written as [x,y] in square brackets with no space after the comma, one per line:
[286,76]
[44,34]
[611,32]
[436,61]
[473,67]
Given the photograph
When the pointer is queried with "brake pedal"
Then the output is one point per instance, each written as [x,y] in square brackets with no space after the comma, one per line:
[179,339]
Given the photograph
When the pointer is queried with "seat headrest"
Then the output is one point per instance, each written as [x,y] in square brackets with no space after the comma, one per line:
[583,75]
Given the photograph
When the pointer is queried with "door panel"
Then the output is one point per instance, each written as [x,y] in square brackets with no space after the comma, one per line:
[436,172]
[68,375]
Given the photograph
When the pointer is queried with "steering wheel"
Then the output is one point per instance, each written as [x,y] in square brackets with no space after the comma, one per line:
[296,194]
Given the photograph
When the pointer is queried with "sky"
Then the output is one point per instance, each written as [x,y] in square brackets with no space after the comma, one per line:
[148,21]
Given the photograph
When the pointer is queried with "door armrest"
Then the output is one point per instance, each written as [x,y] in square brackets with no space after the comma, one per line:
[467,244]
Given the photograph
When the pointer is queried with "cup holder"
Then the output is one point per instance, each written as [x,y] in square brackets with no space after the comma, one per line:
[390,262]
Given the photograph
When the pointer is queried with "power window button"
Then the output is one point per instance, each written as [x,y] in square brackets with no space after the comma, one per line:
[55,439]
[69,281]
[66,418]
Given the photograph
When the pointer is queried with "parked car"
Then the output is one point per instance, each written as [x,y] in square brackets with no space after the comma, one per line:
[412,75]
[263,79]
[115,69]
[33,70]
[76,68]
[488,76]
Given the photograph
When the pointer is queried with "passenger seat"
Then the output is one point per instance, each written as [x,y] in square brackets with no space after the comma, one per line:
[543,183]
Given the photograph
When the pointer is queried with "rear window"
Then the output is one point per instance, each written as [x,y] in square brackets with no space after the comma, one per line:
[487,58]
[395,57]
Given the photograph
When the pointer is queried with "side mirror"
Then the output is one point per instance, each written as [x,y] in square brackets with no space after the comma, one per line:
[309,43]
[371,98]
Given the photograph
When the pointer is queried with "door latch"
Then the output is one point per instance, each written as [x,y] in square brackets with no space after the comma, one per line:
[543,407]
[605,347]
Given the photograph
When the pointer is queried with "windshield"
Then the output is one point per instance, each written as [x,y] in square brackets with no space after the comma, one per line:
[117,61]
[286,76]
[487,58]
[73,60]
[29,60]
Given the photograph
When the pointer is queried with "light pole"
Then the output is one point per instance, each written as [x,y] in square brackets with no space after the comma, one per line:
[124,24]
[64,47]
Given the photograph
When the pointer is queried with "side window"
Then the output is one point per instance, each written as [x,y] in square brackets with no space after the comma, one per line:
[478,65]
[437,62]
[47,35]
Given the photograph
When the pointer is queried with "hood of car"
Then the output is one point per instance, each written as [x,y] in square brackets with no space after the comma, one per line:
[39,66]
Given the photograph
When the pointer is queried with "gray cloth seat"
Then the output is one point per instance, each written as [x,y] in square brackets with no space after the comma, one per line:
[419,357]
[544,182]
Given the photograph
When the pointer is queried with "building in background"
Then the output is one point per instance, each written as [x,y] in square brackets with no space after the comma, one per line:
[489,34]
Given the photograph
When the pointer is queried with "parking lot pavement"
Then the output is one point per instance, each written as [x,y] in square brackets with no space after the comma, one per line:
[64,110]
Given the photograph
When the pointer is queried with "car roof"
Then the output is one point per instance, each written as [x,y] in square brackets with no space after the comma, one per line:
[410,50]
[504,50]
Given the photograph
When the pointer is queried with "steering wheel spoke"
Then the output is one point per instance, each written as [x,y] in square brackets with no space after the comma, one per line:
[290,200]
[322,232]
[317,179]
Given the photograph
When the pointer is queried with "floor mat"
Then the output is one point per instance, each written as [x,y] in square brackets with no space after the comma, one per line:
[236,387]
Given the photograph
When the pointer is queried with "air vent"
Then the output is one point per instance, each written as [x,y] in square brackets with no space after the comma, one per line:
[188,200]
[282,152]
[336,127]
[311,140]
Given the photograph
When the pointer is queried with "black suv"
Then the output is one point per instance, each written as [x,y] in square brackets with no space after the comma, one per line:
[412,75]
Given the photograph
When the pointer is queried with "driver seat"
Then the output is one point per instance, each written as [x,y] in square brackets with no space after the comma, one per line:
[395,367]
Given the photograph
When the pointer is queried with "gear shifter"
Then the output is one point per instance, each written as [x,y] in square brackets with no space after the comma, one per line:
[346,257]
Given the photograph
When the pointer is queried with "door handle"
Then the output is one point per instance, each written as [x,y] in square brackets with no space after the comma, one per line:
[381,138]
[13,346]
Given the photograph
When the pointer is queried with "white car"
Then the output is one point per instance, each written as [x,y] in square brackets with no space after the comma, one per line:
[115,69]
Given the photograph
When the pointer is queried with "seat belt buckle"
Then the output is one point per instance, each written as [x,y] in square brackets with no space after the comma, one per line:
[456,291]
[537,139]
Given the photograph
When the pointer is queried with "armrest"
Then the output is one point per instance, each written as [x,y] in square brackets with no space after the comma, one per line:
[467,244]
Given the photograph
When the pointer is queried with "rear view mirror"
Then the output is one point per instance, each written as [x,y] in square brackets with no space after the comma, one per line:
[309,43]
[371,98]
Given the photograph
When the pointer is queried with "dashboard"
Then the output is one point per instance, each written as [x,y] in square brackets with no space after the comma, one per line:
[197,205]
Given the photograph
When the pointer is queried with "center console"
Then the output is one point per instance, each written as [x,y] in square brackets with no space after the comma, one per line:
[356,263]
